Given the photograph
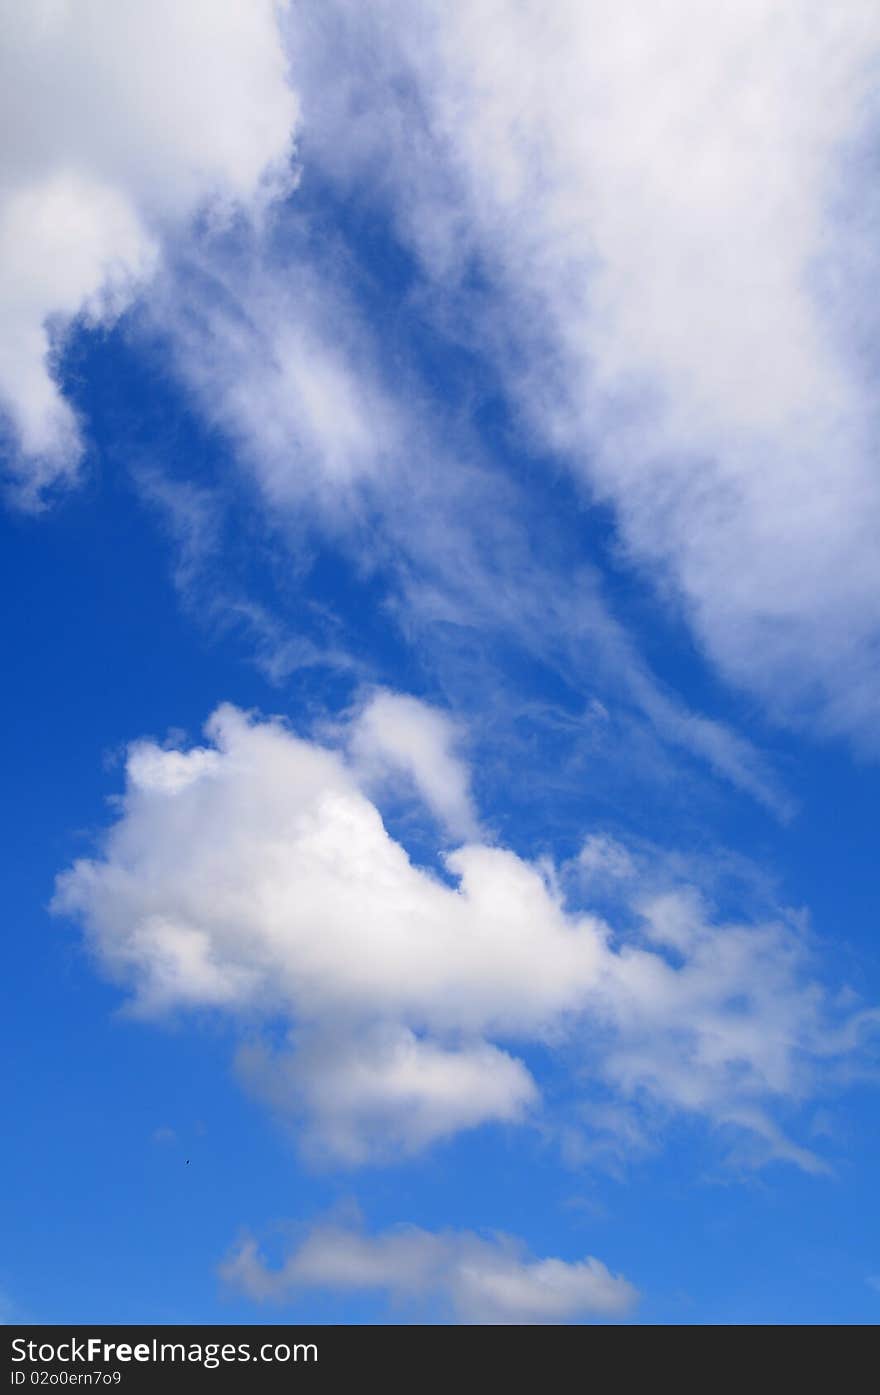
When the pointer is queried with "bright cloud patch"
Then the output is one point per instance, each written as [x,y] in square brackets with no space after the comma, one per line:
[386,1092]
[675,210]
[128,120]
[487,1281]
[397,735]
[255,876]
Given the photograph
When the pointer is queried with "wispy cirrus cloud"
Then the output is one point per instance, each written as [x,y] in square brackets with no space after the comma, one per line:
[344,442]
[657,224]
[270,337]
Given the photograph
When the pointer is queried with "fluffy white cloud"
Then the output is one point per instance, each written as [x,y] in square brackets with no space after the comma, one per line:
[483,1281]
[254,876]
[126,120]
[674,210]
[269,875]
[66,242]
[397,735]
[382,1093]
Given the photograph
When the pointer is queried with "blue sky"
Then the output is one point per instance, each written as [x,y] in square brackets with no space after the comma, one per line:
[442,624]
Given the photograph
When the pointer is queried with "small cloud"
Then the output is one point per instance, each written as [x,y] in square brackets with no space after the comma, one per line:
[603,858]
[479,1280]
[395,735]
[589,1208]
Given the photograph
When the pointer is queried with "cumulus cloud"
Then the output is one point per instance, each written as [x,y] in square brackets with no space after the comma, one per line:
[480,1280]
[385,1093]
[398,735]
[254,876]
[128,121]
[669,214]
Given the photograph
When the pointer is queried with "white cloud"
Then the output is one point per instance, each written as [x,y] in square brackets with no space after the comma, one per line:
[272,346]
[271,869]
[604,858]
[398,735]
[126,120]
[62,243]
[194,519]
[255,877]
[481,1280]
[381,475]
[675,217]
[383,1093]
[278,353]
